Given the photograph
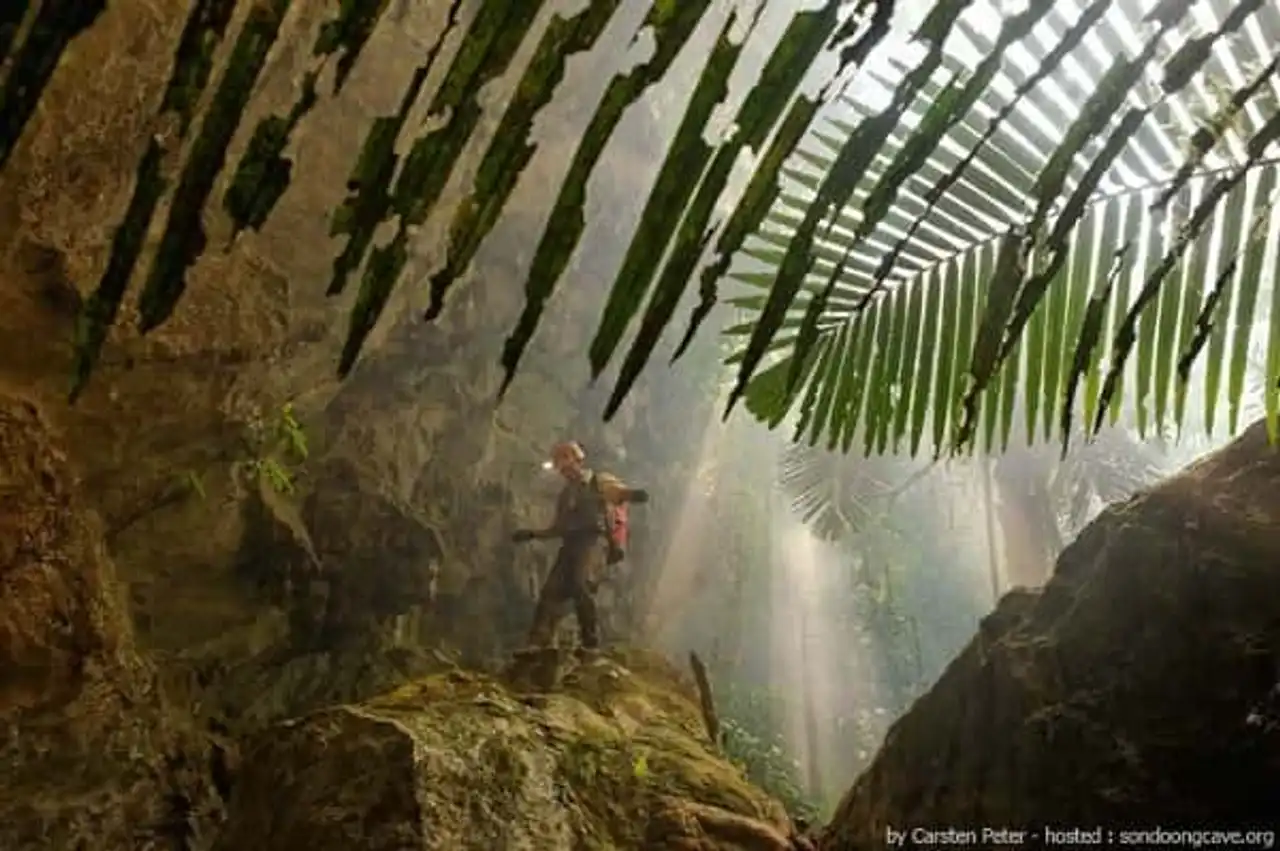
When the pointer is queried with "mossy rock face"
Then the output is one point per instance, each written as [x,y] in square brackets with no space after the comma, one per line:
[615,758]
[1138,688]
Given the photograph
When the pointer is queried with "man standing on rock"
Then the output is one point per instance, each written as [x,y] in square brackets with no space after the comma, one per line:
[590,522]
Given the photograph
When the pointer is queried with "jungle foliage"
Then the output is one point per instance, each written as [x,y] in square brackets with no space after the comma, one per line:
[923,265]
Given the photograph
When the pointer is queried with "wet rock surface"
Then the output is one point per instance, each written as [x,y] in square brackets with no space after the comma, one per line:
[1131,692]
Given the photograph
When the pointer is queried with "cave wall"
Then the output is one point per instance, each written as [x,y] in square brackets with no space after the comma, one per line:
[157,440]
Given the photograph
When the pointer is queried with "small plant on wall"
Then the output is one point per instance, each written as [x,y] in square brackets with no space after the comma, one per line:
[275,447]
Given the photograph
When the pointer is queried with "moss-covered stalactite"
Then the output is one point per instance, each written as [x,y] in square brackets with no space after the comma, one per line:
[674,186]
[35,56]
[385,186]
[511,150]
[672,25]
[368,201]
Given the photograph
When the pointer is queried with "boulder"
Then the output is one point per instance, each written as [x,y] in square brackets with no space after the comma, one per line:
[92,755]
[614,758]
[1135,691]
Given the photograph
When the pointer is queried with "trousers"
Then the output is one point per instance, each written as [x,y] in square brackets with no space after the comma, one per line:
[574,579]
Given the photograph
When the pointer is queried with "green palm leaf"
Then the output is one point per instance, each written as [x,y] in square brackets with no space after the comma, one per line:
[1051,213]
[1004,251]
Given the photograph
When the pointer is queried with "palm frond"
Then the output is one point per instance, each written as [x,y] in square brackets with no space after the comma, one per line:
[1068,216]
[839,497]
[1067,205]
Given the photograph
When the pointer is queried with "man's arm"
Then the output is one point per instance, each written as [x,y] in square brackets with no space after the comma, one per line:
[555,530]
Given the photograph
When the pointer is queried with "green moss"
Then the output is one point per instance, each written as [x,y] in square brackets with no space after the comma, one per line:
[100,309]
[349,32]
[368,201]
[510,771]
[55,25]
[359,215]
[263,173]
[193,60]
[490,45]
[618,743]
[676,182]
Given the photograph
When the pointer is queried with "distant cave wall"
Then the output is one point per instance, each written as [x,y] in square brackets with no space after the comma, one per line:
[1138,689]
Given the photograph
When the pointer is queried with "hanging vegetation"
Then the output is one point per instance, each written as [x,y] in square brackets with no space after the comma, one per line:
[1060,205]
[983,260]
[671,24]
[183,239]
[511,150]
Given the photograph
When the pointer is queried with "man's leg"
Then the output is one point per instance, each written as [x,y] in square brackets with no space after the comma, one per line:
[550,609]
[588,619]
[584,603]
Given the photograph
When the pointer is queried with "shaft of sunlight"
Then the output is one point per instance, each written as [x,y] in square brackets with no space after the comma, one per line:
[814,665]
[683,570]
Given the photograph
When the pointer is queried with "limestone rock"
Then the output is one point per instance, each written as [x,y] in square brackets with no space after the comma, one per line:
[617,759]
[378,557]
[1131,692]
[276,553]
[255,329]
[91,756]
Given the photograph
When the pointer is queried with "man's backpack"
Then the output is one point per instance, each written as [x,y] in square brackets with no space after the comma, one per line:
[615,522]
[616,529]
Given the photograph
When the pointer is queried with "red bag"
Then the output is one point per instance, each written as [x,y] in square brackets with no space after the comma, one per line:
[615,525]
[617,515]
